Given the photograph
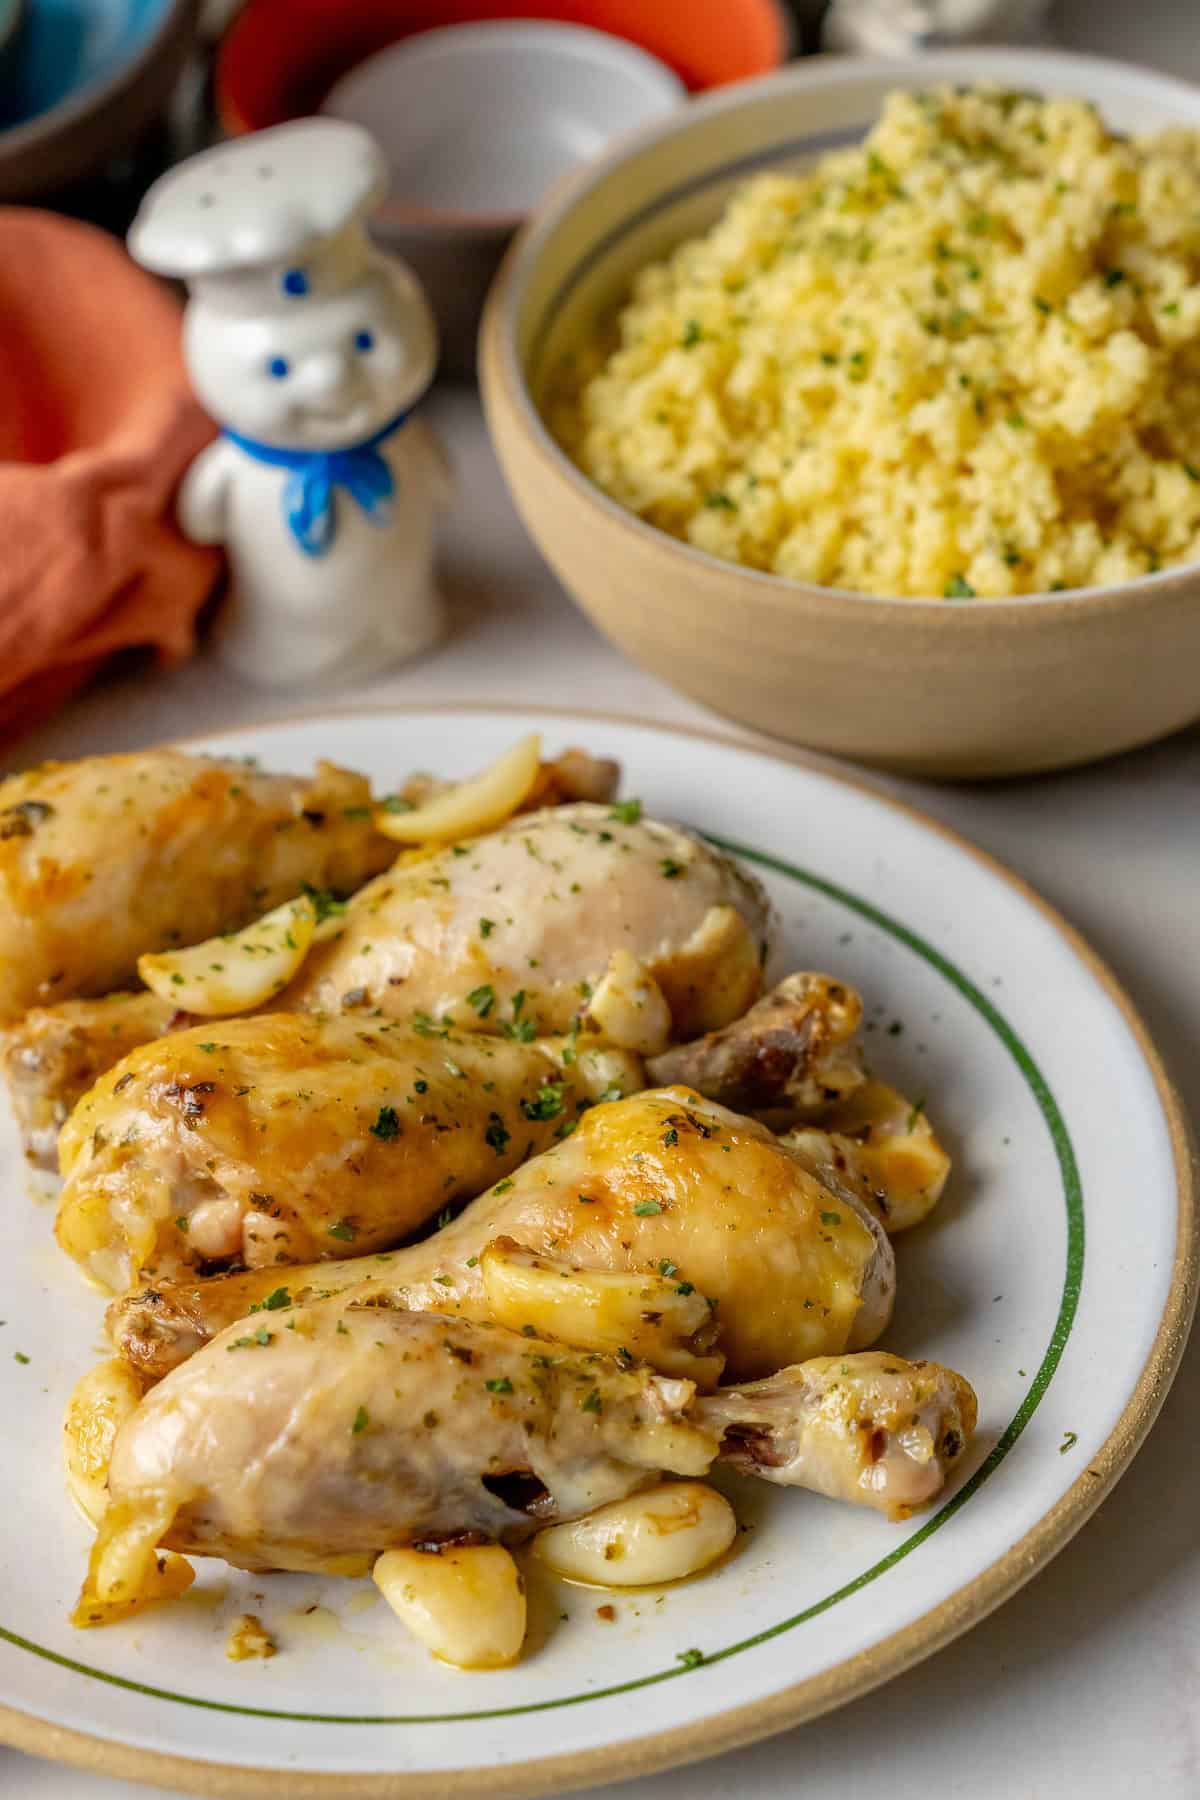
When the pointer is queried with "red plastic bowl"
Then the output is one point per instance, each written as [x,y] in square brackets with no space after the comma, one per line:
[282,56]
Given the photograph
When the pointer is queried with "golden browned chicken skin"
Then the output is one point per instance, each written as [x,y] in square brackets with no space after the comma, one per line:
[286,1137]
[665,1182]
[164,1158]
[104,859]
[431,940]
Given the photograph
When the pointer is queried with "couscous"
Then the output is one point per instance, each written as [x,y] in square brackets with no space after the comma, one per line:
[960,359]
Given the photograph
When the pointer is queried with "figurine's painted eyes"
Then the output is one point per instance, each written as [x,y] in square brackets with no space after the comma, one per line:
[364,340]
[278,366]
[295,283]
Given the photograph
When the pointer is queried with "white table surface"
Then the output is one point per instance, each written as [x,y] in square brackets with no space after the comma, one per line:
[1087,1684]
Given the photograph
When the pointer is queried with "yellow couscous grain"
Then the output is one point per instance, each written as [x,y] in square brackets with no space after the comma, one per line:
[960,359]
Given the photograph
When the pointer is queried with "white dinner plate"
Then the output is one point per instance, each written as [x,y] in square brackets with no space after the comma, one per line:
[1058,1275]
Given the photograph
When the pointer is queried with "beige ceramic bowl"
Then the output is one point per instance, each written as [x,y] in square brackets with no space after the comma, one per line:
[985,689]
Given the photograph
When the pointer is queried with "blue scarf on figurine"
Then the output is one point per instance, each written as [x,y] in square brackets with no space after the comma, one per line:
[310,491]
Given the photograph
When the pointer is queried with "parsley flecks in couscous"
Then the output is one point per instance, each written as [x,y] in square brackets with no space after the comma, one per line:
[961,360]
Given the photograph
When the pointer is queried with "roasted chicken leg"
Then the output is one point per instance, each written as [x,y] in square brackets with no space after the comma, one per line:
[534,912]
[665,1182]
[287,1137]
[431,939]
[316,1439]
[104,859]
[155,1140]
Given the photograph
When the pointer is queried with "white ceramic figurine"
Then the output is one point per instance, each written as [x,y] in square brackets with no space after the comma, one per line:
[310,348]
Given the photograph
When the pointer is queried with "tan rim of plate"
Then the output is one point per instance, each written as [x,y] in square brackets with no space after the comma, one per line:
[855,1676]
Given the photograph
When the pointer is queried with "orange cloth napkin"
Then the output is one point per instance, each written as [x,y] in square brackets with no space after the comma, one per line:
[97,425]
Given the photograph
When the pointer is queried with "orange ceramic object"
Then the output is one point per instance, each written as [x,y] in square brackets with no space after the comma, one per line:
[282,56]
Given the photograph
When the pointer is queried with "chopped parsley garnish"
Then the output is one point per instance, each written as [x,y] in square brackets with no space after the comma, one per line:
[486,927]
[646,1209]
[670,868]
[831,1218]
[958,588]
[501,1385]
[670,1136]
[691,334]
[427,1027]
[1114,277]
[691,1659]
[396,803]
[718,502]
[1070,1439]
[523,1030]
[591,1401]
[482,999]
[325,902]
[1191,471]
[278,1298]
[443,1219]
[502,1187]
[20,1356]
[667,1268]
[343,1230]
[356,812]
[360,1422]
[586,1199]
[548,1102]
[496,1135]
[420,1087]
[914,1114]
[260,1339]
[387,1124]
[685,1288]
[626,812]
[182,1222]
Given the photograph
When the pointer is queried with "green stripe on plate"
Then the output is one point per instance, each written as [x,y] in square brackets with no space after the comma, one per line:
[1072,1280]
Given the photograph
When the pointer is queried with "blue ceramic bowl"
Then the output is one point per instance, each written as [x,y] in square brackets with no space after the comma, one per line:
[80,80]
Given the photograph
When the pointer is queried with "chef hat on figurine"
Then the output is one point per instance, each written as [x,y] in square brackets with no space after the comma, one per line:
[265,220]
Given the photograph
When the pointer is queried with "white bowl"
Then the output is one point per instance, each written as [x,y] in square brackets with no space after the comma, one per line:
[482,119]
[476,122]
